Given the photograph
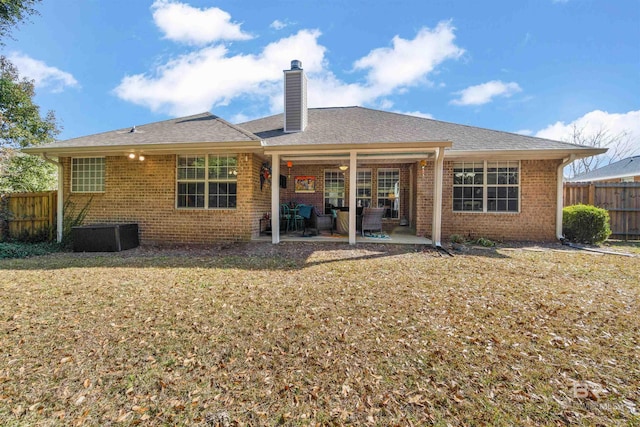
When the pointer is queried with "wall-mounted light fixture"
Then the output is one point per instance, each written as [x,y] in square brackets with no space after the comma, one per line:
[289,165]
[343,167]
[133,156]
[141,158]
[423,164]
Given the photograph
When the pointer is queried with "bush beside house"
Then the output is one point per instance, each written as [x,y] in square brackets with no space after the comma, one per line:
[585,224]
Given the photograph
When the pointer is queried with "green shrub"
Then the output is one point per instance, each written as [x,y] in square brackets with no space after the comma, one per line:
[483,241]
[456,238]
[24,250]
[585,224]
[72,218]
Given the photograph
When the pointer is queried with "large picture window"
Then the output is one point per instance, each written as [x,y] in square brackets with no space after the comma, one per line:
[486,186]
[207,182]
[87,175]
[389,192]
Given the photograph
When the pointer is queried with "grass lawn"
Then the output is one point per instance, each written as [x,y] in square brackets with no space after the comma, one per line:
[320,334]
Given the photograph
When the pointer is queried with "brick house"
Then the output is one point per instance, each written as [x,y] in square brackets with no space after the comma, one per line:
[200,179]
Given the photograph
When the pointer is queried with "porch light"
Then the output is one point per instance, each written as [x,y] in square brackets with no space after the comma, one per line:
[141,158]
[289,165]
[423,164]
[343,167]
[132,156]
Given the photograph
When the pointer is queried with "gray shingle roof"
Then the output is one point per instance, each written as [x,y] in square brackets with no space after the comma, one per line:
[349,125]
[338,125]
[626,167]
[204,127]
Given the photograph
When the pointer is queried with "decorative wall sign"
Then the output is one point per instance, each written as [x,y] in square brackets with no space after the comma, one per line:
[305,184]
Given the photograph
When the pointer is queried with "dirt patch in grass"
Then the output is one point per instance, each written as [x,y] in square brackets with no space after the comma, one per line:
[320,334]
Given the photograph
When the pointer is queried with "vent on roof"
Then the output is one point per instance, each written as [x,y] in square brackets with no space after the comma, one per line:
[295,98]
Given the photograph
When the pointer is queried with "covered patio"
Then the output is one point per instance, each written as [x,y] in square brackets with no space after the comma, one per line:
[353,158]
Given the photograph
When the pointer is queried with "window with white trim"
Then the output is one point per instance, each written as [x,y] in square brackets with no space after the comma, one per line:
[207,182]
[87,175]
[363,188]
[389,192]
[486,186]
[333,189]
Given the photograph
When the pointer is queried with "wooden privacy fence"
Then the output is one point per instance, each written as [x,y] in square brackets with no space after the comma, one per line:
[621,199]
[29,214]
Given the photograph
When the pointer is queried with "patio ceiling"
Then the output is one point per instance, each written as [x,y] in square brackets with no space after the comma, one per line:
[364,153]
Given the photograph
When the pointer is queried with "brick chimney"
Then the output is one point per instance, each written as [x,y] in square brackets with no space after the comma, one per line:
[295,98]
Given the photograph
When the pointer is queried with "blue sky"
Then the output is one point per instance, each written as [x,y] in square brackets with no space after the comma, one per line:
[535,67]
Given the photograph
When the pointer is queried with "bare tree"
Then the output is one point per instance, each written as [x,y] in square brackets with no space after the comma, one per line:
[619,145]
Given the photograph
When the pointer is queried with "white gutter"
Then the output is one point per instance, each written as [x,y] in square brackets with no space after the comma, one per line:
[436,233]
[60,201]
[560,194]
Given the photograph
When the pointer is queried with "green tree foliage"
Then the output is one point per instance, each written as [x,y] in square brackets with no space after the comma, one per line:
[22,126]
[13,12]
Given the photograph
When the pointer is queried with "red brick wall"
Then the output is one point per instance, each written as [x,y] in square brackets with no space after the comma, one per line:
[144,192]
[535,221]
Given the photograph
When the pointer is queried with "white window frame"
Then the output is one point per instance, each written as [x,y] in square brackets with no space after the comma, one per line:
[338,173]
[206,180]
[485,186]
[381,197]
[101,176]
[363,184]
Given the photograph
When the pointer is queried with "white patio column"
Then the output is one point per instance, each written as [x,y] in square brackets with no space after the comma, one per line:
[275,198]
[353,166]
[436,228]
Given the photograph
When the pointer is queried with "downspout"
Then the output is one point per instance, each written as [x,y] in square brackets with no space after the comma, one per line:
[60,201]
[560,195]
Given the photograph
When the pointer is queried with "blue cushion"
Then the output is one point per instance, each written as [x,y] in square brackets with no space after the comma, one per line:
[305,211]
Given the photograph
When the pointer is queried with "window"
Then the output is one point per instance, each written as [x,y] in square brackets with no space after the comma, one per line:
[207,182]
[486,186]
[468,186]
[389,192]
[502,187]
[87,175]
[363,188]
[333,189]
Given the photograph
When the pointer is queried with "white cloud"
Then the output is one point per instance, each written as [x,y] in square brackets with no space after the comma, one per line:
[183,23]
[416,113]
[211,76]
[596,121]
[194,82]
[485,92]
[409,61]
[277,25]
[43,75]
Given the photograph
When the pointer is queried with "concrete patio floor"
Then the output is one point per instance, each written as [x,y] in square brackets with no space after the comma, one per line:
[399,235]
